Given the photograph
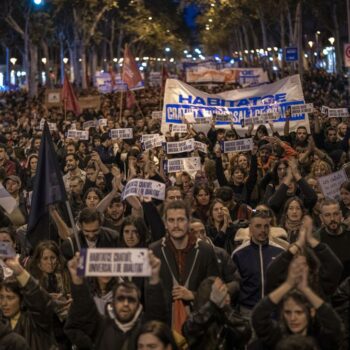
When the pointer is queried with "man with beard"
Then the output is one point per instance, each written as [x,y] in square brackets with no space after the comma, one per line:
[115,213]
[335,234]
[125,315]
[72,161]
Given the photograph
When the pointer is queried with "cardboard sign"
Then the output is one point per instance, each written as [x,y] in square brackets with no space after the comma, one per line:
[53,98]
[140,187]
[301,109]
[182,164]
[6,200]
[146,137]
[200,146]
[153,142]
[89,124]
[243,145]
[178,129]
[330,184]
[179,147]
[7,250]
[338,113]
[52,126]
[114,262]
[122,134]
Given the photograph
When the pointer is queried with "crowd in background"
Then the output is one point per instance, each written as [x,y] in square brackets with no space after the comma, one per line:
[246,253]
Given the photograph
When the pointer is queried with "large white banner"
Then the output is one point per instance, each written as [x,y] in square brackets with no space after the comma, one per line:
[244,76]
[240,105]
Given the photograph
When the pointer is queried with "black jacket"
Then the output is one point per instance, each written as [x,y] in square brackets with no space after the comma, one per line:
[106,239]
[329,274]
[213,328]
[35,321]
[87,329]
[326,328]
[10,340]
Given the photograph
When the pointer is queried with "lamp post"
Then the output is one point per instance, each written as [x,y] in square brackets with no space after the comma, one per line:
[332,40]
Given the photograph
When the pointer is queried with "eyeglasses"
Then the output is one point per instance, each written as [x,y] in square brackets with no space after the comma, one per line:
[123,298]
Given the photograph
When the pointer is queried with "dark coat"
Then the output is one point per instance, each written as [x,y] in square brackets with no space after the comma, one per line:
[87,329]
[326,329]
[10,340]
[35,321]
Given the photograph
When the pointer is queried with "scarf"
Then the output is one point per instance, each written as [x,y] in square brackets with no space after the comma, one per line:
[125,327]
[292,228]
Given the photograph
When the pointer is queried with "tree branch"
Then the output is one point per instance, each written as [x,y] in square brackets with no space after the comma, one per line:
[14,25]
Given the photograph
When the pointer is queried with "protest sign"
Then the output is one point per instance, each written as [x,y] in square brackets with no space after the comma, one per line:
[330,184]
[103,82]
[181,98]
[122,134]
[156,115]
[52,126]
[114,262]
[182,164]
[153,142]
[140,187]
[6,200]
[78,134]
[242,145]
[306,108]
[243,76]
[200,146]
[338,113]
[324,110]
[102,122]
[89,124]
[179,147]
[178,129]
[53,98]
[7,250]
[145,137]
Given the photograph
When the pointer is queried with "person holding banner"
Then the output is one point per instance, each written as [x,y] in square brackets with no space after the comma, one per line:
[119,329]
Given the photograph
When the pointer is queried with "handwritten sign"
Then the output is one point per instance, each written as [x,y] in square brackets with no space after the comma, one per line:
[114,262]
[330,184]
[140,187]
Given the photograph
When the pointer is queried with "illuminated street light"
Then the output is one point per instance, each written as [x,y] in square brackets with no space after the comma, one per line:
[150,18]
[65,60]
[311,44]
[13,60]
[37,2]
[44,60]
[331,40]
[167,49]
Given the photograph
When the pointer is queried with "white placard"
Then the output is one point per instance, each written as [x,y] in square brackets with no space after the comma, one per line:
[102,122]
[243,145]
[338,113]
[179,147]
[140,187]
[324,110]
[122,134]
[153,143]
[146,137]
[182,164]
[78,134]
[301,109]
[200,146]
[114,262]
[7,250]
[52,126]
[330,184]
[6,200]
[178,129]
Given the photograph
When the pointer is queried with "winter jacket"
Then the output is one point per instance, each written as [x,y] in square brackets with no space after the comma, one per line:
[35,321]
[10,340]
[325,328]
[225,240]
[329,274]
[87,329]
[213,328]
[252,260]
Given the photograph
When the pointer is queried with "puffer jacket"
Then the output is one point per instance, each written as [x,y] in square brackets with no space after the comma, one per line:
[10,340]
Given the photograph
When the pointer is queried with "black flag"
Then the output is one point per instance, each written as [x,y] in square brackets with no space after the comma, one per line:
[48,189]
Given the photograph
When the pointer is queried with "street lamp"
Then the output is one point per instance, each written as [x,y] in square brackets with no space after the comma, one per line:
[13,60]
[37,2]
[44,60]
[65,60]
[311,44]
[332,40]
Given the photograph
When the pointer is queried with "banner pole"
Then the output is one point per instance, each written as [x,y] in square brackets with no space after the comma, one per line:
[75,232]
[121,107]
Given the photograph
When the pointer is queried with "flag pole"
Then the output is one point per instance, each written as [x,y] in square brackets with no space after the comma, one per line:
[71,219]
[161,87]
[121,108]
[137,104]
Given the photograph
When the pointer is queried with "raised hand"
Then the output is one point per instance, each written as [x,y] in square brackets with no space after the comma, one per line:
[218,293]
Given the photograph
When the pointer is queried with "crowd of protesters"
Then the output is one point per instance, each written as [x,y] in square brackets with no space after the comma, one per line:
[246,253]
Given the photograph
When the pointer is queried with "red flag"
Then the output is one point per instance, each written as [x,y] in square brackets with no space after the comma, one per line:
[131,74]
[130,99]
[68,97]
[165,76]
[111,72]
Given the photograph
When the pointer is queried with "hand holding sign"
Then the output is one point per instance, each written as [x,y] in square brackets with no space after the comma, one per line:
[14,265]
[73,265]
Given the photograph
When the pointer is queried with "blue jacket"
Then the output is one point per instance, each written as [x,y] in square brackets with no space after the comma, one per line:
[252,261]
